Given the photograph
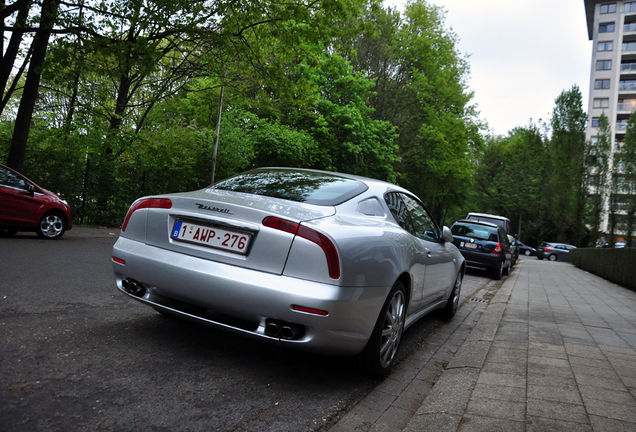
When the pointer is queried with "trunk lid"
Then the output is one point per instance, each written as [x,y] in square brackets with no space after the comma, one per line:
[225,221]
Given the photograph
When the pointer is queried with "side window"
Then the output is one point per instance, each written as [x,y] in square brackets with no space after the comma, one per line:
[9,178]
[424,225]
[399,211]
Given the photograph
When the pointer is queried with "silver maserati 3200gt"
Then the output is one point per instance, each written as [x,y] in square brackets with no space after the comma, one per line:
[321,261]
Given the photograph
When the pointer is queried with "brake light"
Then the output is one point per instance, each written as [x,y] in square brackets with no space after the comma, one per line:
[327,246]
[281,224]
[163,203]
[497,250]
[119,261]
[547,249]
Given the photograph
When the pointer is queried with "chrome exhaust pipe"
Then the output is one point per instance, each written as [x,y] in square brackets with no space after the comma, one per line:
[133,287]
[271,329]
[287,332]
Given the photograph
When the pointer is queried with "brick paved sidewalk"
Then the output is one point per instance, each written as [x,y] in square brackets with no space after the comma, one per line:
[554,350]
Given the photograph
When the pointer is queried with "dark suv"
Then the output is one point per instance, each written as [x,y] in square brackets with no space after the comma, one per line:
[484,245]
[505,223]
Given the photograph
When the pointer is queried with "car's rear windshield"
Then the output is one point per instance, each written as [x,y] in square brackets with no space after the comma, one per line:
[496,221]
[302,186]
[476,231]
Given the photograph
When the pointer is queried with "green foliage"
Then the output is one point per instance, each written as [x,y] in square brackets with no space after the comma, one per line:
[567,193]
[597,160]
[509,180]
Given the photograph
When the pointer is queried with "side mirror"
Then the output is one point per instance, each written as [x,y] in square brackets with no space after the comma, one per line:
[516,236]
[447,235]
[30,189]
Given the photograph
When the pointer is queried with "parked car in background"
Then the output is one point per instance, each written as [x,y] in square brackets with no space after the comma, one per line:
[526,250]
[484,245]
[25,206]
[505,223]
[620,244]
[554,251]
[326,262]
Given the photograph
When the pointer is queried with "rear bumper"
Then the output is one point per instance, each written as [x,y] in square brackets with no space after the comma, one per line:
[482,260]
[251,296]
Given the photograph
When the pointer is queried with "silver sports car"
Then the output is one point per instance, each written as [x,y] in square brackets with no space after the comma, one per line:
[327,262]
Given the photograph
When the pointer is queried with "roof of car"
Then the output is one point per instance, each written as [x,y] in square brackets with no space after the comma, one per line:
[487,215]
[477,222]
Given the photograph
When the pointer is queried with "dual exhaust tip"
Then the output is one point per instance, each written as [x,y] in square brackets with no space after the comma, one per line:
[283,330]
[133,287]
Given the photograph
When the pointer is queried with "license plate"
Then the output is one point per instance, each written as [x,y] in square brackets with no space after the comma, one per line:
[218,238]
[470,245]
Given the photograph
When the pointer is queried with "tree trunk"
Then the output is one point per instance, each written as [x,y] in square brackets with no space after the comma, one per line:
[17,151]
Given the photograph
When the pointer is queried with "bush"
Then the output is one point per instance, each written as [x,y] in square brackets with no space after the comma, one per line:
[615,265]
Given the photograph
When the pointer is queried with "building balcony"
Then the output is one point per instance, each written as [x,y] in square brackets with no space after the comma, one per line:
[628,67]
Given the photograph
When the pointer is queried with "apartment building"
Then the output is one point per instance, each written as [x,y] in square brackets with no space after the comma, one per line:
[612,27]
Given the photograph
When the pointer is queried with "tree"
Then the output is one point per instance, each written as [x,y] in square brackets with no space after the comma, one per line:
[420,87]
[597,164]
[509,180]
[39,46]
[567,183]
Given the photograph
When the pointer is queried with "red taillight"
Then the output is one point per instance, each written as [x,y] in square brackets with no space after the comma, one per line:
[309,310]
[321,240]
[281,224]
[497,249]
[163,203]
[547,249]
[119,261]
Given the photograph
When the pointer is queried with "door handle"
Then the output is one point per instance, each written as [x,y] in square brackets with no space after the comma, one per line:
[428,252]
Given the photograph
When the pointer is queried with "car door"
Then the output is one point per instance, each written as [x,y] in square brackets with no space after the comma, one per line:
[418,254]
[440,269]
[17,204]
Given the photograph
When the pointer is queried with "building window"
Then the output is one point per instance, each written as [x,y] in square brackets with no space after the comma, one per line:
[608,8]
[628,67]
[607,27]
[594,140]
[603,64]
[606,46]
[602,84]
[601,103]
[629,7]
[594,121]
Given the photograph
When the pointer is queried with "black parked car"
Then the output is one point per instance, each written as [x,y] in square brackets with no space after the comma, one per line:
[505,223]
[526,250]
[484,245]
[554,251]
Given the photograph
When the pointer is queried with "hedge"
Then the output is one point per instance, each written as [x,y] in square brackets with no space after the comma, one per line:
[615,265]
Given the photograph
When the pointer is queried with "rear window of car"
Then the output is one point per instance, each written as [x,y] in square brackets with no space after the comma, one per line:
[480,232]
[501,222]
[300,186]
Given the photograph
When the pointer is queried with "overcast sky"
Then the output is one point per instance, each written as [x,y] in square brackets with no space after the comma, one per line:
[522,55]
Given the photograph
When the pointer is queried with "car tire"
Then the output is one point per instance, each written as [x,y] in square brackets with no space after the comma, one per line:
[540,258]
[528,253]
[8,232]
[552,257]
[498,272]
[380,354]
[452,304]
[51,227]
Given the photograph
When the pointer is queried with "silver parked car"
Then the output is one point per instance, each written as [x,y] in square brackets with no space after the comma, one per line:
[554,251]
[326,262]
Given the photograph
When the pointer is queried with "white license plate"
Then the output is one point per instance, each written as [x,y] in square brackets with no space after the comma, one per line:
[470,245]
[218,238]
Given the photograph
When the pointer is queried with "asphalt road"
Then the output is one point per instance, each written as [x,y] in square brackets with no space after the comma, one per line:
[76,354]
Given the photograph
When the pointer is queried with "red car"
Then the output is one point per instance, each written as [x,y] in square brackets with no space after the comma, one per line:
[24,206]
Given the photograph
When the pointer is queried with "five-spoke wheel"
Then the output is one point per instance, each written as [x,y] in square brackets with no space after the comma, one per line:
[51,226]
